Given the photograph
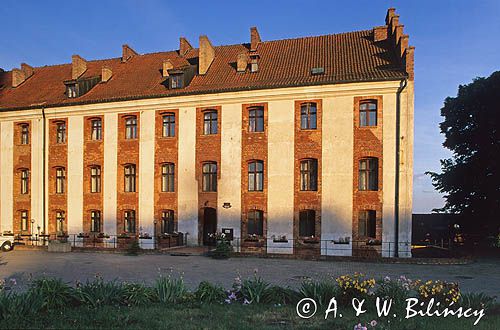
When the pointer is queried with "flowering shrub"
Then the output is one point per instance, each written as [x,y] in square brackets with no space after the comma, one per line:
[446,292]
[355,286]
[223,247]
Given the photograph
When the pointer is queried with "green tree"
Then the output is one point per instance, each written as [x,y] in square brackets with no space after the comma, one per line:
[470,179]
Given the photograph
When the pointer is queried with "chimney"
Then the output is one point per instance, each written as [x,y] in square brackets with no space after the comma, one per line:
[254,38]
[106,73]
[27,69]
[184,46]
[167,65]
[21,75]
[242,63]
[206,55]
[380,33]
[18,77]
[127,53]
[78,66]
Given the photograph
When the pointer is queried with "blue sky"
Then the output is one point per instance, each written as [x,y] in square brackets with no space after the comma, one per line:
[455,42]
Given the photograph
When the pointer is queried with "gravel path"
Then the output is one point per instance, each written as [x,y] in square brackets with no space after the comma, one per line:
[480,276]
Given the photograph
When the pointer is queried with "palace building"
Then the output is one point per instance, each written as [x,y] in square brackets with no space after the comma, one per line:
[291,146]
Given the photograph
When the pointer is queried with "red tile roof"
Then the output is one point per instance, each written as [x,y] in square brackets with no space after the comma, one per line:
[346,57]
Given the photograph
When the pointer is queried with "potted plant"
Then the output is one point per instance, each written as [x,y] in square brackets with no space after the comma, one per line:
[279,239]
[310,240]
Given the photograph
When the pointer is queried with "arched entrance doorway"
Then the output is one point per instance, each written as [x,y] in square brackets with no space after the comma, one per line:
[209,225]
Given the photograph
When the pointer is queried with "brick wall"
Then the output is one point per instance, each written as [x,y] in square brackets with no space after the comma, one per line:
[307,144]
[208,148]
[367,143]
[253,147]
[21,160]
[128,153]
[58,157]
[93,155]
[166,151]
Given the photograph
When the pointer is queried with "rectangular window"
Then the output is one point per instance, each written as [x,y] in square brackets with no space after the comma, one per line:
[307,223]
[130,178]
[25,134]
[256,175]
[308,116]
[210,122]
[24,221]
[96,125]
[60,221]
[61,133]
[256,119]
[368,174]
[209,177]
[168,125]
[95,179]
[167,177]
[129,221]
[71,90]
[176,81]
[368,114]
[367,223]
[255,223]
[25,181]
[167,222]
[95,221]
[60,180]
[131,128]
[309,175]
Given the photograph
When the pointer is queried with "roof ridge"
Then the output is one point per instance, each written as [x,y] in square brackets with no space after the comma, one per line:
[217,46]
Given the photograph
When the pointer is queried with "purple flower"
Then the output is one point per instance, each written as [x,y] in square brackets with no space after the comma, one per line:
[13,281]
[246,302]
[373,323]
[232,296]
[227,301]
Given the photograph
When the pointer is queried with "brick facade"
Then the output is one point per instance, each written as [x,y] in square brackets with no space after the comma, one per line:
[166,151]
[307,145]
[367,143]
[58,158]
[21,161]
[93,155]
[128,153]
[208,149]
[253,147]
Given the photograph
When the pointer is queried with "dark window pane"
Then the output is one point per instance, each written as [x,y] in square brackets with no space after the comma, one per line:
[307,223]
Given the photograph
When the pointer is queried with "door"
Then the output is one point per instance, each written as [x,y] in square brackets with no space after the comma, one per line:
[209,225]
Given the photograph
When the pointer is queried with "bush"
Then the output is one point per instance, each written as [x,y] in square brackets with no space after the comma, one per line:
[209,293]
[397,290]
[321,291]
[169,290]
[253,289]
[223,249]
[280,296]
[137,294]
[20,305]
[355,286]
[442,291]
[477,301]
[54,292]
[98,293]
[133,248]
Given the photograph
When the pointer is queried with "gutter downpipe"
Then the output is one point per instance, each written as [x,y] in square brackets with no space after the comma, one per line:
[44,170]
[402,86]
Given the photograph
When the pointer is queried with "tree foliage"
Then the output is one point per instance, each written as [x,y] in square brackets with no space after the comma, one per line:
[470,179]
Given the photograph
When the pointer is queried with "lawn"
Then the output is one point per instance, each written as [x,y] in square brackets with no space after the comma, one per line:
[217,316]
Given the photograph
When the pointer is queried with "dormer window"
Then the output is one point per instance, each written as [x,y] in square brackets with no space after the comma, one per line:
[176,81]
[71,90]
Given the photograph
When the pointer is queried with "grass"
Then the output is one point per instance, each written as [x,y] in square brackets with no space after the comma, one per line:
[217,316]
